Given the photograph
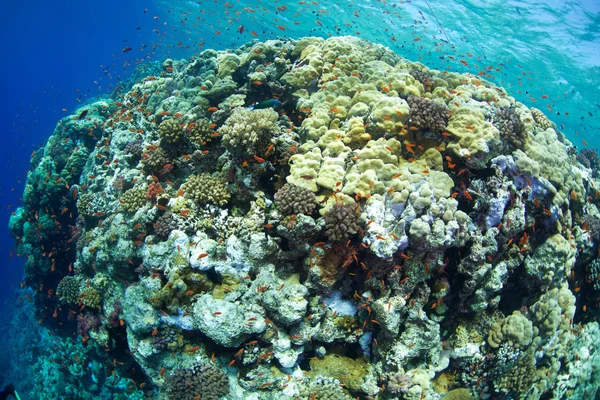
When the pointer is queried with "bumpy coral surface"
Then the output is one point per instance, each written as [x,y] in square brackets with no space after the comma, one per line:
[356,225]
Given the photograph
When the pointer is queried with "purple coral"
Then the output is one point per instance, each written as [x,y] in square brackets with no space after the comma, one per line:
[85,323]
[114,320]
[399,383]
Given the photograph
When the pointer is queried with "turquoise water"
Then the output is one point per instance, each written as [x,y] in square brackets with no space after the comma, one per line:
[540,48]
[507,313]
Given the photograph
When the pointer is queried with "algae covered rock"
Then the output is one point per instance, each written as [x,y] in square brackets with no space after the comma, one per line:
[226,323]
[140,315]
[356,373]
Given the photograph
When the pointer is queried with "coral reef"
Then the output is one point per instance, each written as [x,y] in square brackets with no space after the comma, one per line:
[314,219]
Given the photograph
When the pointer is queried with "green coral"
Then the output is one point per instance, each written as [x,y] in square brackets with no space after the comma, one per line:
[354,372]
[170,130]
[200,132]
[68,289]
[133,200]
[90,297]
[205,189]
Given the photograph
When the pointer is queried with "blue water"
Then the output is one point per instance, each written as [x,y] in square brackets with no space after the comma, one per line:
[58,55]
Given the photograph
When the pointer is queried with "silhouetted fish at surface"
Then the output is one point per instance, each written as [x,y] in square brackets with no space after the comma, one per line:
[83,114]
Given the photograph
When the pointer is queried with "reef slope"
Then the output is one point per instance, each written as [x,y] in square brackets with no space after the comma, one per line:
[314,219]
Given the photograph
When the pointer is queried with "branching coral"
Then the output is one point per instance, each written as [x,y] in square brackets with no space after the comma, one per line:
[153,160]
[205,189]
[247,131]
[154,189]
[292,199]
[510,126]
[133,200]
[426,114]
[170,130]
[90,297]
[541,119]
[199,382]
[164,225]
[68,289]
[199,132]
[341,222]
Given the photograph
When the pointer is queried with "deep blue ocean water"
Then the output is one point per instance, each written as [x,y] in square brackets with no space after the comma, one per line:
[58,55]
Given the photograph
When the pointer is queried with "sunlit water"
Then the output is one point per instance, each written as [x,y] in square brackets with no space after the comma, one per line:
[546,54]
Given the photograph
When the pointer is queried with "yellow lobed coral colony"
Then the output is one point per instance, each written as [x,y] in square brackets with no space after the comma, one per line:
[341,156]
